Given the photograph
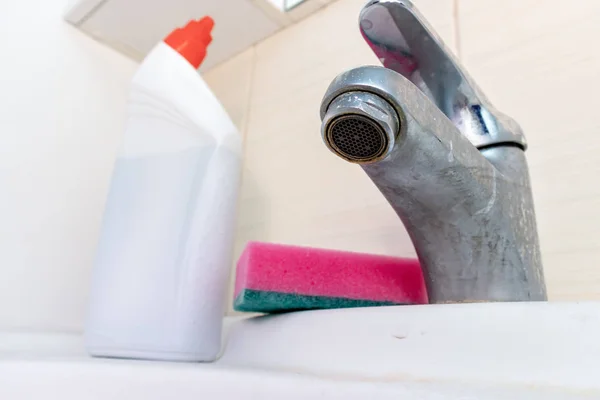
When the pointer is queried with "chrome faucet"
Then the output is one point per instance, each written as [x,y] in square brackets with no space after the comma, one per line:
[451,165]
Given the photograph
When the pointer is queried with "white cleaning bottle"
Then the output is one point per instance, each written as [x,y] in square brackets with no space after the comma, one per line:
[163,260]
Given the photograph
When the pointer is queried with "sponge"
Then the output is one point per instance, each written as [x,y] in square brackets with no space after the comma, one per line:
[273,278]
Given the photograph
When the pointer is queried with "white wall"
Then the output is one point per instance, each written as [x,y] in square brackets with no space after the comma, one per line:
[62,103]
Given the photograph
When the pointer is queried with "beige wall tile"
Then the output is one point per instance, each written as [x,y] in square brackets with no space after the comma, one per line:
[537,62]
[294,190]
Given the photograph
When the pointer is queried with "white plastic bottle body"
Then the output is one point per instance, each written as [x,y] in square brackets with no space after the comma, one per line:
[164,256]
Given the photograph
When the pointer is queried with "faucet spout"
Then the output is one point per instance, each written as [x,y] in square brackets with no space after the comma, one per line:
[451,166]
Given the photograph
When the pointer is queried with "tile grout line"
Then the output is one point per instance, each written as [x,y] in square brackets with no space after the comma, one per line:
[456,17]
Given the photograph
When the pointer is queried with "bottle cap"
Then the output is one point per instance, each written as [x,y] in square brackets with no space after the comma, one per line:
[192,40]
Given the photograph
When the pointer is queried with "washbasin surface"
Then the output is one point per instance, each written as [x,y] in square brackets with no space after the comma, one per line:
[491,351]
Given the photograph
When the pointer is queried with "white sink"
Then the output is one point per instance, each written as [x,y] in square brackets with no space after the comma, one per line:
[470,351]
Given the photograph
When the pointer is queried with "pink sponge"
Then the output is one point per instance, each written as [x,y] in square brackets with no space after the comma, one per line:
[276,278]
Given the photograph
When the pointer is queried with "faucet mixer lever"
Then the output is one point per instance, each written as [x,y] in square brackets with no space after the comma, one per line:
[404,42]
[451,166]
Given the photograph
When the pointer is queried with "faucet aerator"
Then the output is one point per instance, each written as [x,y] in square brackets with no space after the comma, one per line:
[360,127]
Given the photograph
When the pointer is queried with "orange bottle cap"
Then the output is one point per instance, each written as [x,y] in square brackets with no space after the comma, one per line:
[192,40]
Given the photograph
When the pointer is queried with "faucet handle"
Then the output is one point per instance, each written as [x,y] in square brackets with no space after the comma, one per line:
[404,42]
